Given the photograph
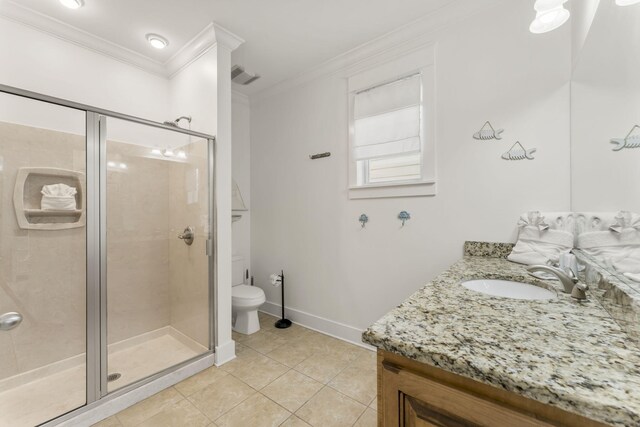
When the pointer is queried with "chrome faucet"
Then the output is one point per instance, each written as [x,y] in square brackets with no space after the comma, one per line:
[568,278]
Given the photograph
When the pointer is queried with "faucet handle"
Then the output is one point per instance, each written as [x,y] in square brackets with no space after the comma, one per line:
[579,291]
[572,275]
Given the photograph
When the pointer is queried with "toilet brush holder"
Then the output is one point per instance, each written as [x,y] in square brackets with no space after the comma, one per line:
[283,323]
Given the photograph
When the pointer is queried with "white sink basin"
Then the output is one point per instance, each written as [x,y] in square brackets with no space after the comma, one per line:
[508,289]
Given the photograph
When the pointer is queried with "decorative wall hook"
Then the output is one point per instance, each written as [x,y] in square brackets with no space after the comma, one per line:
[518,152]
[404,216]
[363,219]
[487,132]
[629,141]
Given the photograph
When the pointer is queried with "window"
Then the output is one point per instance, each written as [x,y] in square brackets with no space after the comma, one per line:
[391,130]
[387,131]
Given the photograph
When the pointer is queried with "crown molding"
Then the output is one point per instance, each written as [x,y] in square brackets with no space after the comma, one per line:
[226,38]
[58,29]
[401,41]
[203,42]
[211,36]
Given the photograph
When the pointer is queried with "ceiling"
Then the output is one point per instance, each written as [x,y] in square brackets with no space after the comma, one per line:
[284,38]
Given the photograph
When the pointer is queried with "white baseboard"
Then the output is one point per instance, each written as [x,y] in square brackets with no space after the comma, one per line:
[225,352]
[320,324]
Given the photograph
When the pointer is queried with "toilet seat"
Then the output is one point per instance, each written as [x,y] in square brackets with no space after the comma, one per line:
[245,295]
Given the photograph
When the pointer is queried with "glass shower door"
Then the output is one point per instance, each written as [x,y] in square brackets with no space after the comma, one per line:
[157,266]
[43,242]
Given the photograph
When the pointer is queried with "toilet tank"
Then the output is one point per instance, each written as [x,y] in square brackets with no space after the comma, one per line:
[237,270]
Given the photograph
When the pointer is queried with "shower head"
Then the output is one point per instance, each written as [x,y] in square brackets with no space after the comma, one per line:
[176,123]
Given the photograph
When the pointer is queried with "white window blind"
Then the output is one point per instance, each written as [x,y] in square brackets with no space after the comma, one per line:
[387,120]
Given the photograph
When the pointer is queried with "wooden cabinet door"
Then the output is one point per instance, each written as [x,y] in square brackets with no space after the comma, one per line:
[418,414]
[414,400]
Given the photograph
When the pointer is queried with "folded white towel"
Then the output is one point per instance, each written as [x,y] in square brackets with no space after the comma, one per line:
[623,258]
[617,241]
[58,197]
[609,239]
[625,220]
[549,220]
[605,221]
[537,246]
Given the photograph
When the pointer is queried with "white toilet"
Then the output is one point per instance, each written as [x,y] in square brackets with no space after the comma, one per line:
[245,300]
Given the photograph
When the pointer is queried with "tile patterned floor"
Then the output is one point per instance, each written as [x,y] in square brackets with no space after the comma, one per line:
[292,378]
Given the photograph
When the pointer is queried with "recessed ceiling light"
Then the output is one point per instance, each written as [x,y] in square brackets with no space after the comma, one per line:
[626,2]
[72,4]
[157,41]
[550,14]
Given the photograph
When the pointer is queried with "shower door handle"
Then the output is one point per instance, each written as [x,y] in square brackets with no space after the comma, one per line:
[10,320]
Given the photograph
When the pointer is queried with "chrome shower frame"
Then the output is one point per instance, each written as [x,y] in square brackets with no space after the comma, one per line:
[96,253]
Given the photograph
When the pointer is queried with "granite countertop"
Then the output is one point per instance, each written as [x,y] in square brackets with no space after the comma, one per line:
[568,354]
[618,295]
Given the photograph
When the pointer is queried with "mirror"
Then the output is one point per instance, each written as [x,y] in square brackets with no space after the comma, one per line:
[605,140]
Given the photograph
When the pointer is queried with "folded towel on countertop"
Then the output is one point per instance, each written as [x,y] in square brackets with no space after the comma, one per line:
[543,238]
[617,241]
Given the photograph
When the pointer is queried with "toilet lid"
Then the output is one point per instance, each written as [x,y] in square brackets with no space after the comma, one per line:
[246,292]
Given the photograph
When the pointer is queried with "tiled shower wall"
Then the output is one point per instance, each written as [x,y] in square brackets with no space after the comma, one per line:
[137,240]
[188,273]
[42,273]
[154,279]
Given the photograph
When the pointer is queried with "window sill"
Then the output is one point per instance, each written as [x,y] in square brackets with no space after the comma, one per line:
[395,189]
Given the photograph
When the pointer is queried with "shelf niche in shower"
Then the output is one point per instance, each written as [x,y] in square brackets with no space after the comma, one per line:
[27,199]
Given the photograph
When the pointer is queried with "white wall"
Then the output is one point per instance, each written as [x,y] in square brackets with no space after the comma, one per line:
[193,92]
[241,172]
[605,105]
[582,15]
[38,62]
[341,278]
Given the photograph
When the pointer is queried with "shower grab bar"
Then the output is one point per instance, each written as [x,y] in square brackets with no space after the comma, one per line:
[78,106]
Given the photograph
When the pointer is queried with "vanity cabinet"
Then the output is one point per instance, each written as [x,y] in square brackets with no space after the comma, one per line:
[418,395]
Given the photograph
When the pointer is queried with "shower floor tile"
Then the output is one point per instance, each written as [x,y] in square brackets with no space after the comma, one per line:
[264,388]
[45,398]
[147,358]
[51,395]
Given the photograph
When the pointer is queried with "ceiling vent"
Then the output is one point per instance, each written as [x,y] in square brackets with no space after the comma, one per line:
[240,76]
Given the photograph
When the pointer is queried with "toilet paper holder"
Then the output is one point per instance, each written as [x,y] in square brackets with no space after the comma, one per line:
[278,279]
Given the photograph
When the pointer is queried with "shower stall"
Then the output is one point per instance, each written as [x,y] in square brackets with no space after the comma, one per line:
[106,254]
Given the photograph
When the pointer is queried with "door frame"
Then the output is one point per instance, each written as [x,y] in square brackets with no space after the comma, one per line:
[96,248]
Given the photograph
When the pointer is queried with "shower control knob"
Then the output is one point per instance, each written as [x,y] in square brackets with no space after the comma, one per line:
[10,320]
[187,235]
